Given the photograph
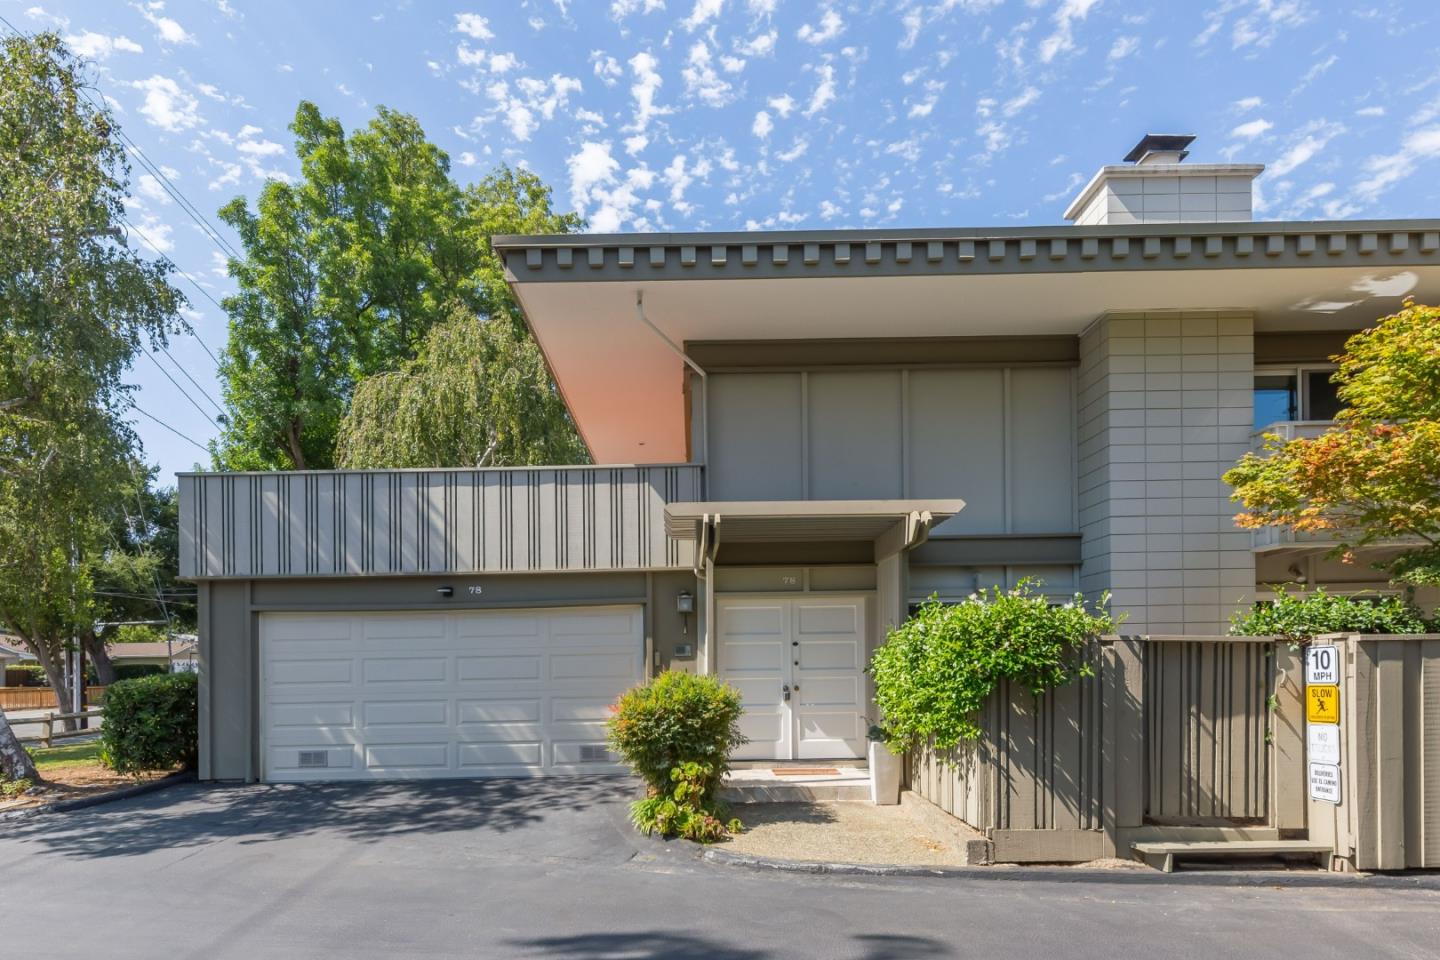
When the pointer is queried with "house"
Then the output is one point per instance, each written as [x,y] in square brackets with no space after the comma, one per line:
[11,652]
[177,655]
[802,435]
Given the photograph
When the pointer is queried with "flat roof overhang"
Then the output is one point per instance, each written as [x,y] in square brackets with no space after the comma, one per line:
[624,384]
[893,525]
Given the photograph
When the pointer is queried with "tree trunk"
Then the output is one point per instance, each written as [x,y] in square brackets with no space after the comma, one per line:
[15,761]
[292,441]
[55,673]
[95,650]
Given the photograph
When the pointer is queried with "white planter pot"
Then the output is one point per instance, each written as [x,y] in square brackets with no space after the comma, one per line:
[885,769]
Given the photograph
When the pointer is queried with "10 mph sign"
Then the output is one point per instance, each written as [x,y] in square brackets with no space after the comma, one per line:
[1322,720]
[1322,665]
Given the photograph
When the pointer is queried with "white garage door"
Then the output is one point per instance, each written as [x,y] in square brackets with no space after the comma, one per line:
[496,693]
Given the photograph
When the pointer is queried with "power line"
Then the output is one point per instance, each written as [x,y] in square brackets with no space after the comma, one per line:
[186,374]
[193,402]
[143,413]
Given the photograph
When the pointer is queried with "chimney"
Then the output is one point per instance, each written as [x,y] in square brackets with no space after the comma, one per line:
[1155,185]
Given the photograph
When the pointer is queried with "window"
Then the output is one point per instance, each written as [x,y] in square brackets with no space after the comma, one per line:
[1303,393]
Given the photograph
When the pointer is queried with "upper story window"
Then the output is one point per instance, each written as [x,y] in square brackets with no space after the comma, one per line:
[1294,393]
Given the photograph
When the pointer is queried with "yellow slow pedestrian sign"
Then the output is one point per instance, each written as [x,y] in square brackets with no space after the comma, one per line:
[1322,703]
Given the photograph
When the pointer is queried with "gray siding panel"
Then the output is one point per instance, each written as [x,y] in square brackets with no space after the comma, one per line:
[956,442]
[855,435]
[432,521]
[1042,441]
[756,437]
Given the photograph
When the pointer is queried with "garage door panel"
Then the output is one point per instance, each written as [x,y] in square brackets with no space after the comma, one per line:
[518,693]
[405,669]
[592,666]
[399,756]
[478,756]
[339,714]
[311,672]
[499,668]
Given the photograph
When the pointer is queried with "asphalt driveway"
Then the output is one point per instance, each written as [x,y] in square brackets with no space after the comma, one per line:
[548,868]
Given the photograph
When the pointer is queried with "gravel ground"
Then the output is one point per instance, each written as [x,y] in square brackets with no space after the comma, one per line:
[911,834]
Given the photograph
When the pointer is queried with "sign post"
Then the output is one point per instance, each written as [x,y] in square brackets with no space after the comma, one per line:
[1322,721]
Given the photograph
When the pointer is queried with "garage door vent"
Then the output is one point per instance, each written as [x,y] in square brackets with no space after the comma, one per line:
[314,759]
[594,753]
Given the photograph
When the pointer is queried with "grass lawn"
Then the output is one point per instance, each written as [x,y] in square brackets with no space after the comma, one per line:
[69,755]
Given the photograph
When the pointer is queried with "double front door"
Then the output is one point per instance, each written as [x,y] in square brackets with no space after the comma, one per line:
[799,666]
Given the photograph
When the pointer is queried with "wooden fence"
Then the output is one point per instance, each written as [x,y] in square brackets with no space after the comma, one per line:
[48,733]
[1172,738]
[40,698]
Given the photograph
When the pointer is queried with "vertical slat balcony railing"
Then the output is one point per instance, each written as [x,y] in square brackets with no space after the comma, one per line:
[394,522]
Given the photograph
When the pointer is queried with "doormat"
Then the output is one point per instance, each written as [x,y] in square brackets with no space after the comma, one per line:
[805,772]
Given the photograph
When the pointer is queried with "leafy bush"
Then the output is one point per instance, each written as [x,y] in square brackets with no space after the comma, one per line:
[10,789]
[150,723]
[681,811]
[677,732]
[133,671]
[25,675]
[936,670]
[1300,618]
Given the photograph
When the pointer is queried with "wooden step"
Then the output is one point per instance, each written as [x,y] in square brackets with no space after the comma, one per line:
[1162,855]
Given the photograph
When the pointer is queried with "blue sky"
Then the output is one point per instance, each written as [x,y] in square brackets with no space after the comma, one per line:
[756,114]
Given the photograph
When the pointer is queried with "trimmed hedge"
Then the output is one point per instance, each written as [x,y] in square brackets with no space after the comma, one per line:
[151,723]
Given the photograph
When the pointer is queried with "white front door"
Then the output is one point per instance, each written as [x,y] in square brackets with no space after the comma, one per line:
[798,664]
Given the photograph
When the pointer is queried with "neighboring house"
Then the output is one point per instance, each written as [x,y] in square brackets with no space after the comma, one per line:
[179,654]
[13,652]
[821,429]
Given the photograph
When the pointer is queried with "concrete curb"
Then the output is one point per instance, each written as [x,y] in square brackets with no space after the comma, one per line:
[1057,874]
[82,803]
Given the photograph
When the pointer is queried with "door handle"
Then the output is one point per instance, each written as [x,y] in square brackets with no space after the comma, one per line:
[786,691]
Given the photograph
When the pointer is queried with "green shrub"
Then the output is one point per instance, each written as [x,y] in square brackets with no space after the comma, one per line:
[133,671]
[150,723]
[679,812]
[1299,618]
[936,670]
[677,732]
[10,789]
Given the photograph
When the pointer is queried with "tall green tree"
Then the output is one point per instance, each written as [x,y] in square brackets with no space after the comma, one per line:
[1376,476]
[76,306]
[347,270]
[477,395]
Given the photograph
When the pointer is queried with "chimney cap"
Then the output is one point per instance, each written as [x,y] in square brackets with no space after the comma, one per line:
[1160,143]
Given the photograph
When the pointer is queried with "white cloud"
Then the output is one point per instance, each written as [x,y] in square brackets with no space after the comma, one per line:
[1248,103]
[537,99]
[166,105]
[824,93]
[260,148]
[166,28]
[761,8]
[591,168]
[1385,170]
[1020,101]
[473,25]
[783,105]
[1252,129]
[1062,39]
[831,25]
[912,21]
[1264,21]
[703,11]
[1314,138]
[152,189]
[620,9]
[647,84]
[762,125]
[1370,112]
[97,46]
[701,80]
[467,159]
[154,234]
[829,210]
[796,151]
[636,143]
[1123,47]
[760,45]
[607,68]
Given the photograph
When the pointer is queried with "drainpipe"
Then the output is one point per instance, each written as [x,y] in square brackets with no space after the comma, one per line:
[704,385]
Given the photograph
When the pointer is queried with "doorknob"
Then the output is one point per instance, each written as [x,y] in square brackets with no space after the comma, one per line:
[787,691]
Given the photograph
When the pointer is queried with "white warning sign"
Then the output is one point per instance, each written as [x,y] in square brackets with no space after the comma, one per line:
[1325,782]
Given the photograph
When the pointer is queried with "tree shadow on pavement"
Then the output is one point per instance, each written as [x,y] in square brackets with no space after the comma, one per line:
[193,815]
[656,944]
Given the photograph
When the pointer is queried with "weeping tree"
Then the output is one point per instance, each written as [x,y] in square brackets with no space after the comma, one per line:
[478,394]
[77,304]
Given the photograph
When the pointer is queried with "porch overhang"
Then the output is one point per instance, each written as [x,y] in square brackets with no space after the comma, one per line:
[892,525]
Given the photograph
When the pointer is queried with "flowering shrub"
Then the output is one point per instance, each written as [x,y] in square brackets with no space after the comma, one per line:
[935,671]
